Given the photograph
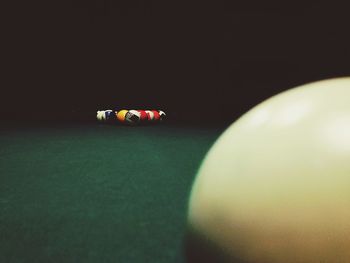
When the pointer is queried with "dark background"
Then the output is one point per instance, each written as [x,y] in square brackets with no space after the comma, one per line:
[200,62]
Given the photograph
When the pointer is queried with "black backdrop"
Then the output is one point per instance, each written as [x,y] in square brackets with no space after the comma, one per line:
[199,61]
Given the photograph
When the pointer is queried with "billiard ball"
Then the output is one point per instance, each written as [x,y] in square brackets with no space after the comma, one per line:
[132,117]
[121,115]
[109,115]
[99,115]
[156,116]
[103,115]
[143,116]
[275,186]
[150,115]
[162,115]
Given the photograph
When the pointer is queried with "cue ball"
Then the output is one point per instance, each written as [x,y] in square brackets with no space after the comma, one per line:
[275,186]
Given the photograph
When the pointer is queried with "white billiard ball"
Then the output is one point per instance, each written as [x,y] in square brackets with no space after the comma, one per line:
[275,187]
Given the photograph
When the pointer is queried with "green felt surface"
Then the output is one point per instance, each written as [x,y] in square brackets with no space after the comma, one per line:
[97,193]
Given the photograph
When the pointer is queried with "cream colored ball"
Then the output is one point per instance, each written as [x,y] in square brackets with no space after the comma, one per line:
[275,187]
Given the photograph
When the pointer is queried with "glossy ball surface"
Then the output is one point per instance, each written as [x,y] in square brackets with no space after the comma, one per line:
[275,187]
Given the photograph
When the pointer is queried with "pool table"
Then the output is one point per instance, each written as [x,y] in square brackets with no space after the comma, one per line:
[93,192]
